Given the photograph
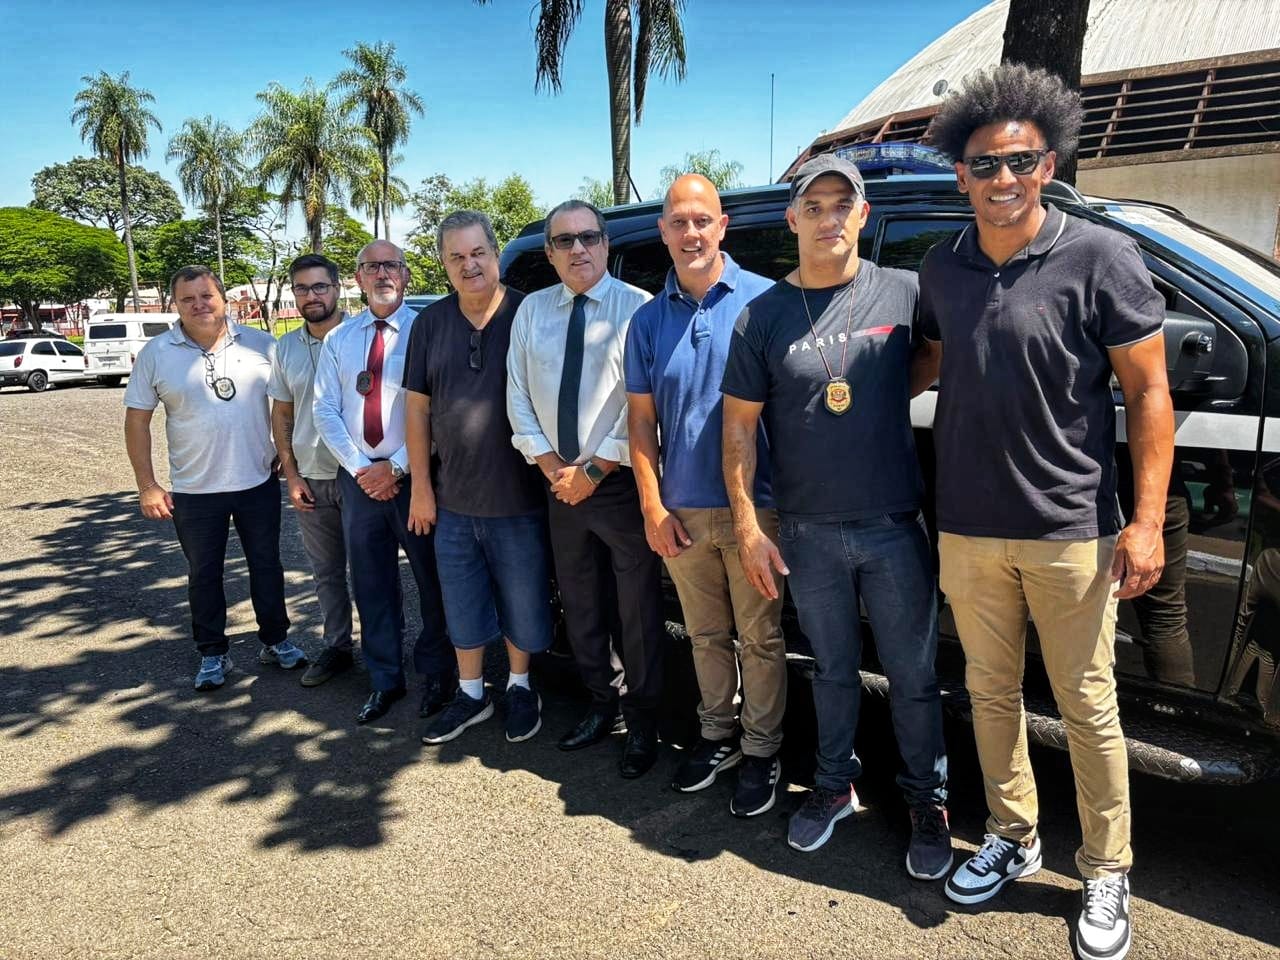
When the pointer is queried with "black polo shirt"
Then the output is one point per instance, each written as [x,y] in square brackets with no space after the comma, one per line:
[1025,426]
[481,474]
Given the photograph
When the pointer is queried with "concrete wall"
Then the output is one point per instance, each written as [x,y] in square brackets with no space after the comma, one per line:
[1238,196]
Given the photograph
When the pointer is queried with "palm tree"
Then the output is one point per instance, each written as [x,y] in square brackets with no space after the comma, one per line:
[369,192]
[374,85]
[309,150]
[659,48]
[209,168]
[114,118]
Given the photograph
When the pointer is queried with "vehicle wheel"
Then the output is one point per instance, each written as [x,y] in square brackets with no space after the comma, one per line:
[110,381]
[37,380]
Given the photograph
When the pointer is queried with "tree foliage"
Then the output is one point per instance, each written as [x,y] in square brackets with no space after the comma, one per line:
[47,258]
[164,249]
[598,193]
[344,237]
[87,189]
[725,174]
[209,169]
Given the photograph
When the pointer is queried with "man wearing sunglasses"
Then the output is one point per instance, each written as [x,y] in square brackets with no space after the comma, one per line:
[1030,311]
[308,467]
[359,413]
[485,502]
[568,410]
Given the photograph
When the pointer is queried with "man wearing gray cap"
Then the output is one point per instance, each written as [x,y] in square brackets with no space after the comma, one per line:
[826,357]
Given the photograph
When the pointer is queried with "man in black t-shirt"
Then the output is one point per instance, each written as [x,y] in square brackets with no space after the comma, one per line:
[1030,311]
[825,356]
[485,501]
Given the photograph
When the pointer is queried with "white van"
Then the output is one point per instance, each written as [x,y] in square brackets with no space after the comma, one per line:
[112,342]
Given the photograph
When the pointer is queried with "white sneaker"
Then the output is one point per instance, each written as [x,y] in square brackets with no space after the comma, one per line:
[999,861]
[1103,931]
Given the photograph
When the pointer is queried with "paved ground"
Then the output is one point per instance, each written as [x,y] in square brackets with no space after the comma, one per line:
[140,820]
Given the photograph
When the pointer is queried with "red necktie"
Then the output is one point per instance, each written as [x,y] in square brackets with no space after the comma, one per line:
[373,399]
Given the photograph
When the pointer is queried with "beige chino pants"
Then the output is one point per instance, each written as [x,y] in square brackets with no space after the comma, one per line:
[1065,585]
[717,598]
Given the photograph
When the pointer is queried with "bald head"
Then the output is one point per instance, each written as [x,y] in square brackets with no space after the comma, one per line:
[692,186]
[692,226]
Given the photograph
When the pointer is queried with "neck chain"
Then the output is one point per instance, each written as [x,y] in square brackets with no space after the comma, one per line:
[837,397]
[224,388]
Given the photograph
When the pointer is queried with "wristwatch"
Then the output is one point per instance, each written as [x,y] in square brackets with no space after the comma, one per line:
[593,472]
[397,471]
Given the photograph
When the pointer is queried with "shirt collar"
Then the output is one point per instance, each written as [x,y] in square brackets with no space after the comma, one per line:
[728,278]
[595,293]
[306,336]
[1055,221]
[178,335]
[402,315]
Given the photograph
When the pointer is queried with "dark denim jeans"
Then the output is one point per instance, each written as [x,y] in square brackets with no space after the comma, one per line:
[886,562]
[202,521]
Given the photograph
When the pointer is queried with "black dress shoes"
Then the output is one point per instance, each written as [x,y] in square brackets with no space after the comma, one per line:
[437,692]
[378,704]
[592,728]
[638,752]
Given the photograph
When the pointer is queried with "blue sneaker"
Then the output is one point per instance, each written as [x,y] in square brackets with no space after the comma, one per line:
[284,654]
[213,672]
[462,712]
[524,713]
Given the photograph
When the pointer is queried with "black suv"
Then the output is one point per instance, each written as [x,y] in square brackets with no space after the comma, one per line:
[1199,683]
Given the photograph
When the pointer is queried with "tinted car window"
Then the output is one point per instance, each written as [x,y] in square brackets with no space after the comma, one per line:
[905,242]
[108,331]
[530,271]
[12,349]
[43,348]
[68,349]
[154,329]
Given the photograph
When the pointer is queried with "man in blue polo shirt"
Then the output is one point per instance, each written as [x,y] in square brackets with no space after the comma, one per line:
[676,350]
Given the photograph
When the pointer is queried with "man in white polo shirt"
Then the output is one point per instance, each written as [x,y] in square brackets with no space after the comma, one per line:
[211,375]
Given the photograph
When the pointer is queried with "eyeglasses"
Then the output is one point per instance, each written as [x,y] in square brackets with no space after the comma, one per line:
[370,268]
[315,289]
[987,165]
[588,238]
[475,359]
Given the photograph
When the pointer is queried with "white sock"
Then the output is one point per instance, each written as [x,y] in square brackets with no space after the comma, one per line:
[518,680]
[473,688]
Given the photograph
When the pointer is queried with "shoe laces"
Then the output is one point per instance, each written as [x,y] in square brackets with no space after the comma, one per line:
[1102,901]
[210,663]
[993,848]
[819,800]
[930,821]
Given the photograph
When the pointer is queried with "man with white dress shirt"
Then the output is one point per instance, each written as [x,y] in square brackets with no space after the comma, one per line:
[359,414]
[568,410]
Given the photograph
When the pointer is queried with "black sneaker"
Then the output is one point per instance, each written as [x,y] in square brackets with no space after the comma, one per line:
[462,712]
[1103,931]
[810,826]
[929,854]
[331,662]
[437,693]
[705,760]
[757,786]
[995,864]
[524,713]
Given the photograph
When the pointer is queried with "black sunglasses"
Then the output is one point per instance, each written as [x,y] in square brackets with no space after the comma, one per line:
[987,165]
[475,359]
[565,241]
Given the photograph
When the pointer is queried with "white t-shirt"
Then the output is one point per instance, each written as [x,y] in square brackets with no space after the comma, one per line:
[215,446]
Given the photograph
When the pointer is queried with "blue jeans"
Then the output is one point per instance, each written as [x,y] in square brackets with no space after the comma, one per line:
[886,561]
[495,577]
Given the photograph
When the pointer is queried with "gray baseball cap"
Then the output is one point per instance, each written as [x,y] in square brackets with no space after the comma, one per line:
[825,163]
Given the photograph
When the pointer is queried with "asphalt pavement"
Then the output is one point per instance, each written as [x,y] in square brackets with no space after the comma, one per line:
[140,819]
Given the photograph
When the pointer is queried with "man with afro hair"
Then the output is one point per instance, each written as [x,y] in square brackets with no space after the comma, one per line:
[1028,312]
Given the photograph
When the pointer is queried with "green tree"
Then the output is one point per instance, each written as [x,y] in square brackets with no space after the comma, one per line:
[509,203]
[209,169]
[114,119]
[164,249]
[344,237]
[725,174]
[309,150]
[658,49]
[598,193]
[48,258]
[370,190]
[87,189]
[374,85]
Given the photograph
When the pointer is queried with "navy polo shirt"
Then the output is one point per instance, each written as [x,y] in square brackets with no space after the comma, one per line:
[676,351]
[1025,428]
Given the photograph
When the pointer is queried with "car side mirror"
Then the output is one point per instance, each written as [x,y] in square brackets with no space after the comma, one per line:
[1203,359]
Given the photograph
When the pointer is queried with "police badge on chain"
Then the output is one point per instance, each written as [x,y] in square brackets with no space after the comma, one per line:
[224,388]
[837,396]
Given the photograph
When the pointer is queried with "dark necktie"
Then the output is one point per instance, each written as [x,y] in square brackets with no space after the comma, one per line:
[571,381]
[373,399]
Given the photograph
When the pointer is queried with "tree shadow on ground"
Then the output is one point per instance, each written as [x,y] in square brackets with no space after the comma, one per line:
[115,607]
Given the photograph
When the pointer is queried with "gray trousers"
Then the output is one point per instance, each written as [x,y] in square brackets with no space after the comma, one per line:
[322,539]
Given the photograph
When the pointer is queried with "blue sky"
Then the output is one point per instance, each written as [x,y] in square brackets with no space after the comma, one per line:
[474,67]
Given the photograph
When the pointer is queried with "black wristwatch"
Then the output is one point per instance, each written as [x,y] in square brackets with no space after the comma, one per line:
[593,472]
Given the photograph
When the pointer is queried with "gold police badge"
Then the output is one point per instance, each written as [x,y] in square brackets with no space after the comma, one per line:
[837,395]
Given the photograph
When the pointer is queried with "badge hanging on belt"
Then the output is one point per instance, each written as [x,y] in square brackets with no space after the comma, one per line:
[837,396]
[364,383]
[224,388]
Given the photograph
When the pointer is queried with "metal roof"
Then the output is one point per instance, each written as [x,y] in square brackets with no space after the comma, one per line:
[1122,35]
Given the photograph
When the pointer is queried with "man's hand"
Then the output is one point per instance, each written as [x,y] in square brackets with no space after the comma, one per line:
[422,510]
[571,485]
[1139,559]
[665,533]
[156,502]
[760,558]
[300,494]
[377,481]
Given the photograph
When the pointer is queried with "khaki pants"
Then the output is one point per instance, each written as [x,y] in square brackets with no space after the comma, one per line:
[717,598]
[1065,585]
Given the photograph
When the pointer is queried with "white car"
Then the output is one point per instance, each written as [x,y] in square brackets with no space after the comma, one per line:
[37,362]
[112,342]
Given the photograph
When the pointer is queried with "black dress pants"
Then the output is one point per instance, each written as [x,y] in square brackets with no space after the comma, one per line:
[608,576]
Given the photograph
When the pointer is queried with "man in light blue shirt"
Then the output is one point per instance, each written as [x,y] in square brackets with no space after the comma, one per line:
[676,350]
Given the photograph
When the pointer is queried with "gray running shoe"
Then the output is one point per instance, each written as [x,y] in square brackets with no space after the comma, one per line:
[283,654]
[213,672]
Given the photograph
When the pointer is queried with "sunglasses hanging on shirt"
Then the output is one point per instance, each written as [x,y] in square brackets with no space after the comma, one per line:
[224,388]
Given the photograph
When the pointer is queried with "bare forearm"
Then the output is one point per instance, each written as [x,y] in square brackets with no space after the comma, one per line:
[1149,423]
[417,439]
[924,366]
[282,434]
[137,444]
[740,473]
[643,441]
